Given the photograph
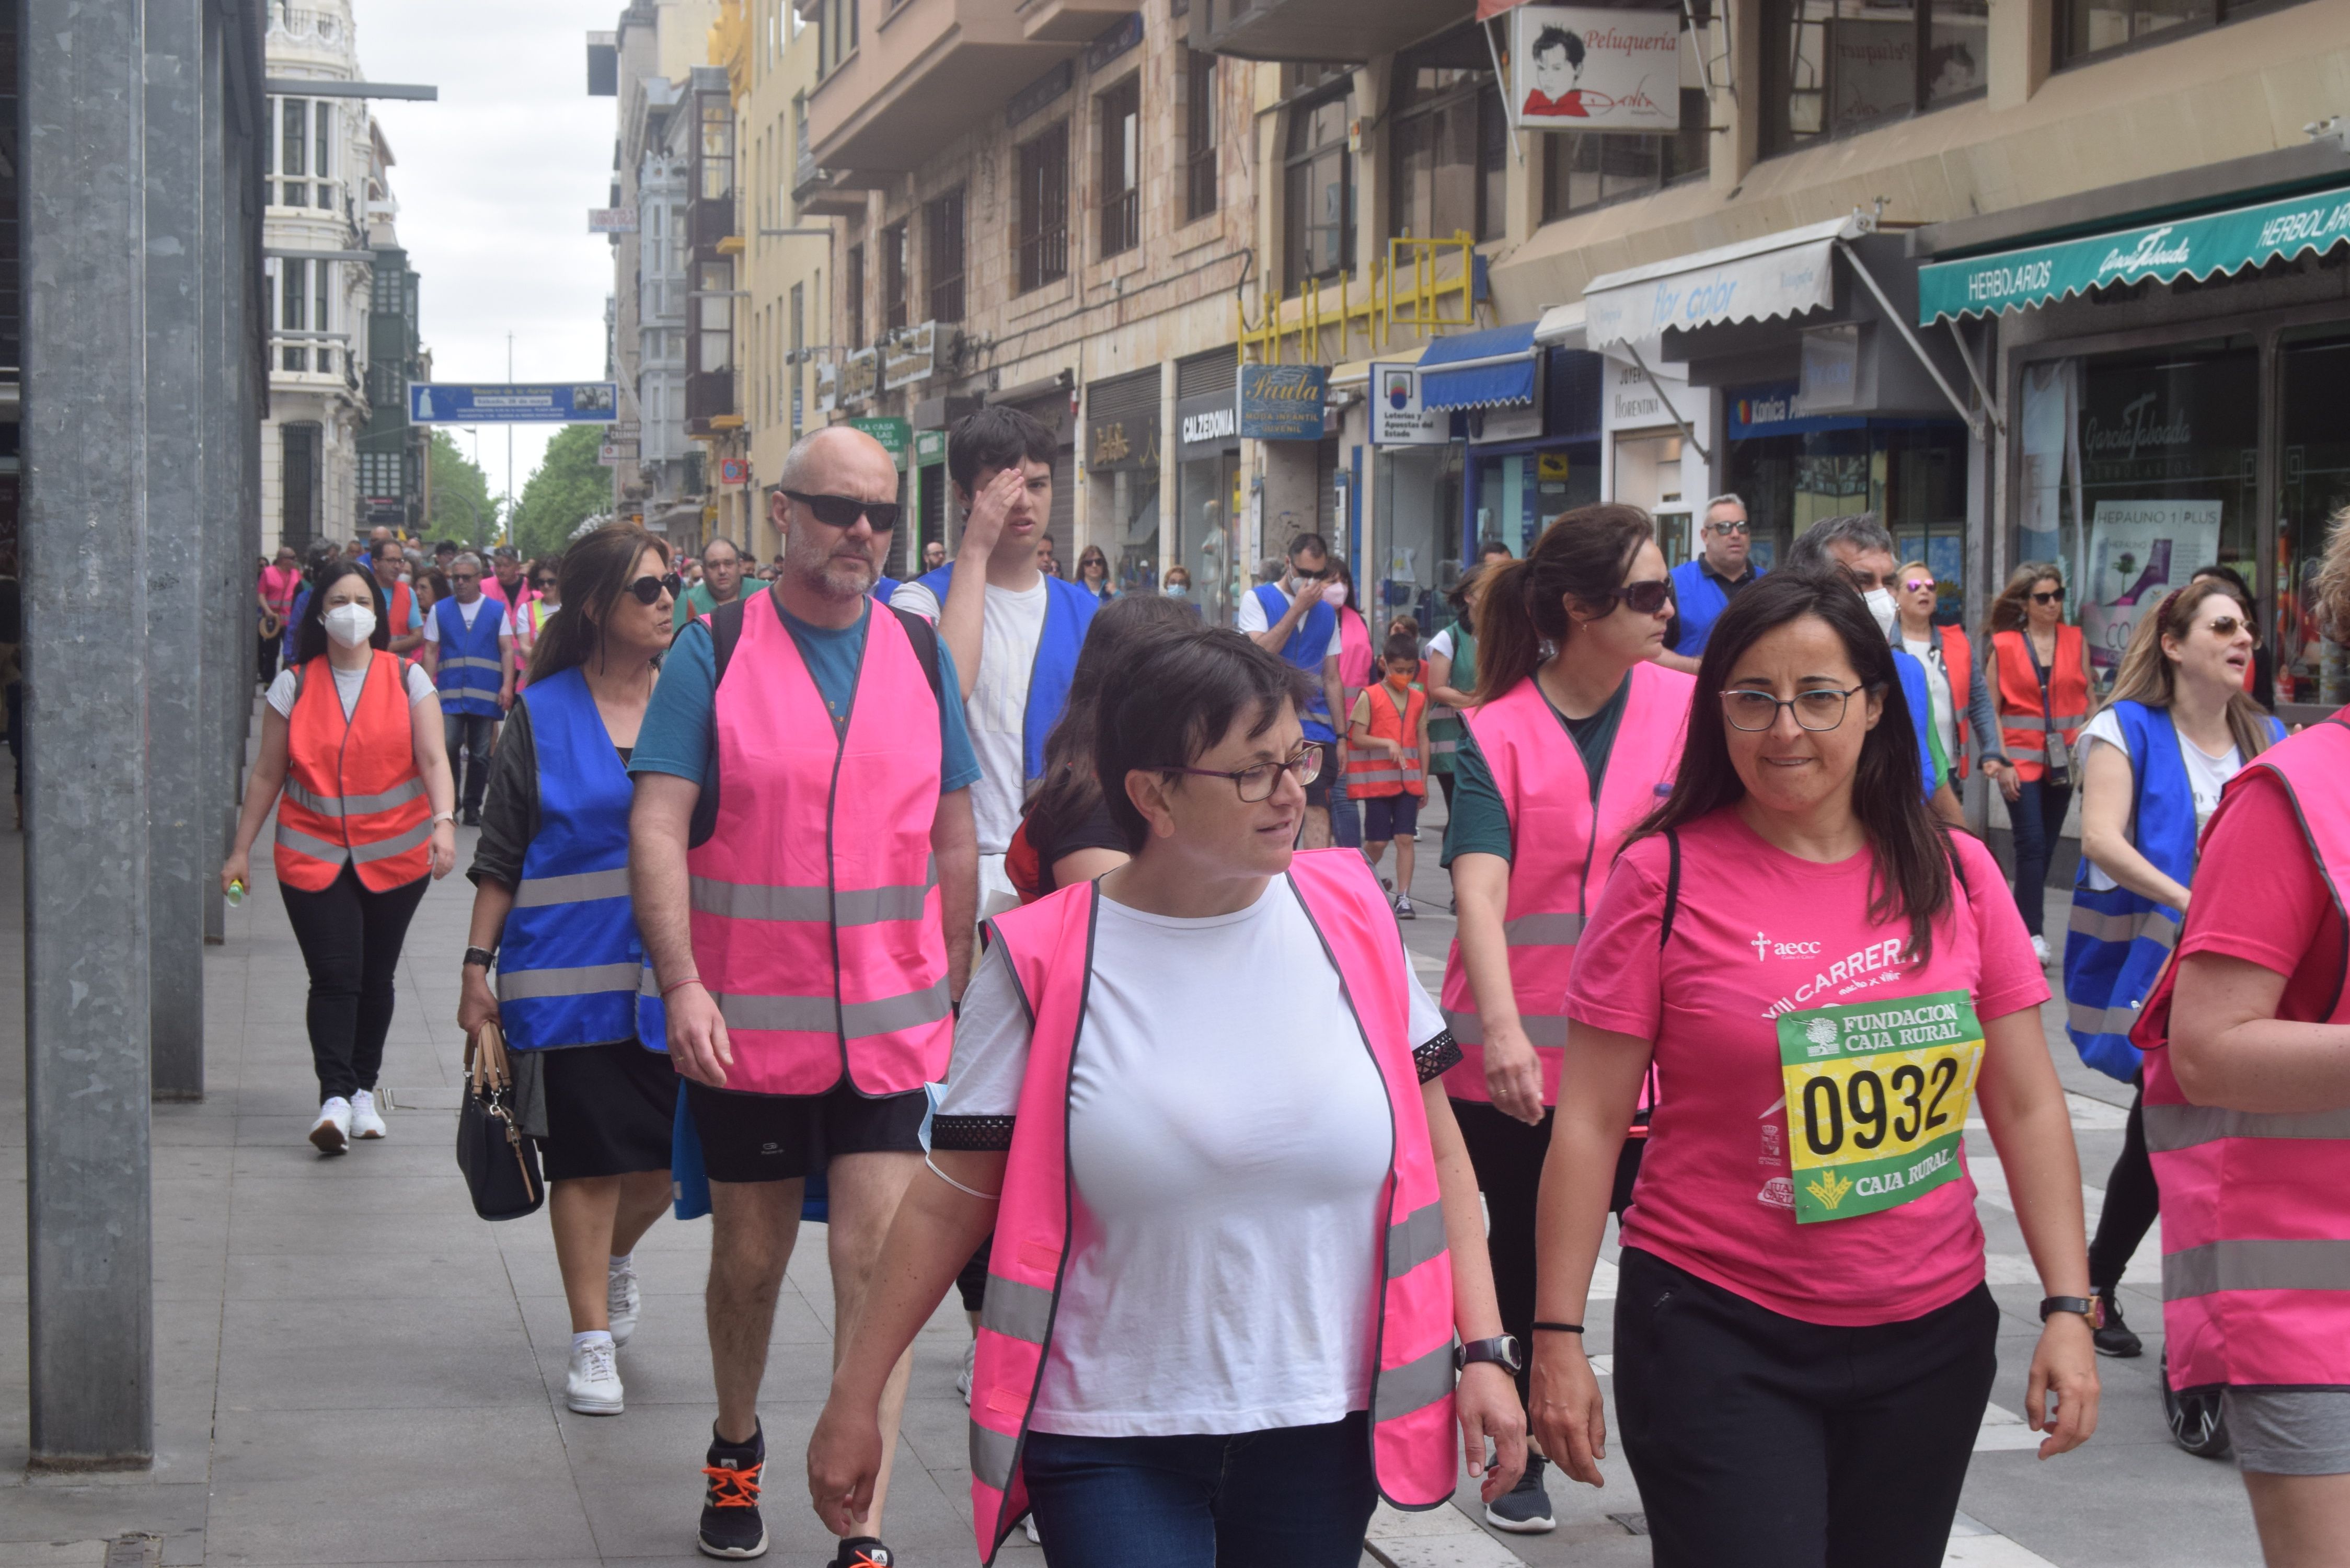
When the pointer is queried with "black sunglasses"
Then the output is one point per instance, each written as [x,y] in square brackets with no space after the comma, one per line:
[842,511]
[2055,597]
[1645,598]
[649,589]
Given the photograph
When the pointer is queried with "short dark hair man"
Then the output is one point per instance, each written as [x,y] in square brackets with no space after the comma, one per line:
[1289,617]
[406,625]
[721,580]
[1704,587]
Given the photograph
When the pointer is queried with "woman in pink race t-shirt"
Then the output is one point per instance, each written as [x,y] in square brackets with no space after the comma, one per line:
[1824,978]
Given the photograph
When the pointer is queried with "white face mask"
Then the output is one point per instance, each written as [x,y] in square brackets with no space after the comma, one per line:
[1880,604]
[1335,595]
[350,625]
[1178,590]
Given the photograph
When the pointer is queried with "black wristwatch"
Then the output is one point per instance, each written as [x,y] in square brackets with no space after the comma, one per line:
[481,956]
[2089,1307]
[1502,1351]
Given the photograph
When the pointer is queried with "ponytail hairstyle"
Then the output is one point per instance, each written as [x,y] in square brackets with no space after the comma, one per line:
[1584,554]
[2147,676]
[597,570]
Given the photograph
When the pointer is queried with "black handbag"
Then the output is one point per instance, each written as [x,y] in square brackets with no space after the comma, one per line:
[501,1165]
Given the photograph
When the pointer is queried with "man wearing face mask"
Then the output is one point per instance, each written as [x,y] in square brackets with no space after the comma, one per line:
[1295,619]
[469,652]
[1860,547]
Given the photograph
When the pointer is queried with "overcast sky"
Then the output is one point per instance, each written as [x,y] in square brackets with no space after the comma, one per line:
[494,182]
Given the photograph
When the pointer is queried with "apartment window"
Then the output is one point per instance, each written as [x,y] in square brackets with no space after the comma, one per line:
[2088,28]
[322,164]
[1835,66]
[835,38]
[299,476]
[322,276]
[293,151]
[942,234]
[294,310]
[1043,197]
[893,277]
[712,343]
[1450,142]
[1319,194]
[1588,169]
[1119,112]
[1199,134]
[716,151]
[799,341]
[855,291]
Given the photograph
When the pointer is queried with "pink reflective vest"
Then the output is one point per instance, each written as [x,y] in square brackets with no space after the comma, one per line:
[2256,1206]
[815,902]
[1561,848]
[1049,947]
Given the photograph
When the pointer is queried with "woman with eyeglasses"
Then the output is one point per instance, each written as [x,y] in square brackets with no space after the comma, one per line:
[1962,707]
[1230,1262]
[545,576]
[2039,666]
[2177,726]
[1829,981]
[1093,574]
[551,911]
[1574,734]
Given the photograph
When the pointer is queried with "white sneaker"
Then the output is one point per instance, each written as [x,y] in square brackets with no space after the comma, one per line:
[623,1302]
[593,1387]
[2040,951]
[332,1131]
[366,1121]
[1030,1523]
[969,1363]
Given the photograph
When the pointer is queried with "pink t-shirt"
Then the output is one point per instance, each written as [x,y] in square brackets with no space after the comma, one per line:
[1759,933]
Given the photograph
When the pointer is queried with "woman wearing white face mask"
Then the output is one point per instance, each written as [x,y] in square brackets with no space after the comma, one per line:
[368,813]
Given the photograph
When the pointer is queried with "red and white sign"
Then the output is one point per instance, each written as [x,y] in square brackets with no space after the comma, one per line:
[1571,68]
[734,472]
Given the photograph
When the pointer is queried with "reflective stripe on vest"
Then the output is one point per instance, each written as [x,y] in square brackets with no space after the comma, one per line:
[569,958]
[2024,728]
[1374,775]
[1048,947]
[2256,1206]
[1561,852]
[352,792]
[816,911]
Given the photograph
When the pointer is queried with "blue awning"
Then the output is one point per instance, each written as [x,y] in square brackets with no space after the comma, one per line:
[1479,369]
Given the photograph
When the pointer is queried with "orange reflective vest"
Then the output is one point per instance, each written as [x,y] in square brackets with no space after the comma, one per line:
[2025,723]
[352,789]
[1372,772]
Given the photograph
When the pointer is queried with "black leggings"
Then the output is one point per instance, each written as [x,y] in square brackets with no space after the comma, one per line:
[2132,1202]
[1445,780]
[351,937]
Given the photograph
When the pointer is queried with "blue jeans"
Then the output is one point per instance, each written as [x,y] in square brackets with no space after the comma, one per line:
[2038,816]
[1293,1497]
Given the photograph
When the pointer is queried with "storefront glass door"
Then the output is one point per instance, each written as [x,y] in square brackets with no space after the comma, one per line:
[1415,556]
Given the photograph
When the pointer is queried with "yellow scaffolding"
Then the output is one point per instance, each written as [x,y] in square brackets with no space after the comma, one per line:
[1424,286]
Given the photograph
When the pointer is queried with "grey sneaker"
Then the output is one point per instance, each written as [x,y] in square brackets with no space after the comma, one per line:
[1404,911]
[1524,1509]
[623,1302]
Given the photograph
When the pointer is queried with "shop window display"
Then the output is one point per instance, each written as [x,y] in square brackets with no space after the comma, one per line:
[2315,485]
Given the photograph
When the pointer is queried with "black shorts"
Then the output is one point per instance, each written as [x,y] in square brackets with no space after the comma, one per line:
[779,1138]
[1390,816]
[610,1110]
[1318,792]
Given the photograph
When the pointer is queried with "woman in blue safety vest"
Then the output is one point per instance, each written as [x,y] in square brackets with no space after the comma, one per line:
[2178,726]
[551,909]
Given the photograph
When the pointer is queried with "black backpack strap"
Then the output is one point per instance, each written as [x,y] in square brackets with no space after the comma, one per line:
[726,631]
[925,639]
[1672,887]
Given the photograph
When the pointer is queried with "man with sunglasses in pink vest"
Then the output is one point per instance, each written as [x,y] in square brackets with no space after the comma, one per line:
[803,865]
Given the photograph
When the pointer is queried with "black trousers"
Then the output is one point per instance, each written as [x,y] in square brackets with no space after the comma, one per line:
[350,938]
[2132,1202]
[473,736]
[266,653]
[1763,1441]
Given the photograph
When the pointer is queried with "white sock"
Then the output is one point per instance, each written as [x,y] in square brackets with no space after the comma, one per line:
[594,1334]
[622,1262]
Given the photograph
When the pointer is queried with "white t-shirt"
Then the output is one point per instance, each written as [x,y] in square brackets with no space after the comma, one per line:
[1012,624]
[1937,684]
[1252,616]
[2206,776]
[1228,1177]
[348,683]
[470,613]
[1441,645]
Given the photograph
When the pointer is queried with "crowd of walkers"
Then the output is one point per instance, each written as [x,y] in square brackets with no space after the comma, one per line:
[935,903]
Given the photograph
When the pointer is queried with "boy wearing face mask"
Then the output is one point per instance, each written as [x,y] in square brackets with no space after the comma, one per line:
[1386,764]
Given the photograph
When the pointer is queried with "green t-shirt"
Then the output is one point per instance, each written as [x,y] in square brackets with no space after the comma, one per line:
[695,601]
[1479,823]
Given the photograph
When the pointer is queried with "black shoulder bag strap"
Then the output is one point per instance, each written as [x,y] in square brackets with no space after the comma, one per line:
[1672,888]
[2058,772]
[726,631]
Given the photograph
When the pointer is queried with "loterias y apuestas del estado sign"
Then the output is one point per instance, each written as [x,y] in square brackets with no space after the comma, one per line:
[1283,402]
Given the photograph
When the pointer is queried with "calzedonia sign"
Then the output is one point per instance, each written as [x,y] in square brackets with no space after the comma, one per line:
[1283,402]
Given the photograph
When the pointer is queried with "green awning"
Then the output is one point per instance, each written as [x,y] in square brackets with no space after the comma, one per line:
[2184,247]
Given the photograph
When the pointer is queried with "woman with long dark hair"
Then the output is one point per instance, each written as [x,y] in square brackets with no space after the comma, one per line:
[1575,732]
[1093,574]
[2037,668]
[1826,978]
[353,739]
[551,911]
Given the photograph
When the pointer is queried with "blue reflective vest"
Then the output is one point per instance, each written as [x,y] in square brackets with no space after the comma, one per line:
[886,588]
[1308,646]
[1068,610]
[471,669]
[1920,698]
[569,963]
[2118,941]
[1698,601]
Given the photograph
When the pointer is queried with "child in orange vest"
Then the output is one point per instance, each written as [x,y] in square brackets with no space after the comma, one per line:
[1388,760]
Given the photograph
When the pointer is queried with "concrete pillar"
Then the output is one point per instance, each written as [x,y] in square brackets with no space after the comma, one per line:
[1738,101]
[2022,44]
[181,570]
[91,1314]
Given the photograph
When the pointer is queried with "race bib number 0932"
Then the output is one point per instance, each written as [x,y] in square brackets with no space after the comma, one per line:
[1877,1100]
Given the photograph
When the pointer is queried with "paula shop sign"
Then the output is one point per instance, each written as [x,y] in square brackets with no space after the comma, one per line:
[1578,69]
[1283,402]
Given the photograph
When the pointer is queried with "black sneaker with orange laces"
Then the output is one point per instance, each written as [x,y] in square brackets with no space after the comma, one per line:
[730,1526]
[863,1551]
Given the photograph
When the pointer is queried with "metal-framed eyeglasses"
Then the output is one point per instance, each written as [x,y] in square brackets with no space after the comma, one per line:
[1821,708]
[1258,782]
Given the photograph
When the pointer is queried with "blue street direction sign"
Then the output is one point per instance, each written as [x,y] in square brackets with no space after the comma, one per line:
[490,403]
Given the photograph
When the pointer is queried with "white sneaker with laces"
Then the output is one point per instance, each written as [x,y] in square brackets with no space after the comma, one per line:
[623,1302]
[593,1387]
[2040,951]
[366,1121]
[332,1131]
[970,1361]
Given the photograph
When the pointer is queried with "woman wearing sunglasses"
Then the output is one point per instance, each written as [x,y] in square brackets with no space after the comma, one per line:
[2176,728]
[1576,731]
[1825,977]
[1231,1262]
[545,576]
[1093,574]
[1962,708]
[2039,666]
[552,909]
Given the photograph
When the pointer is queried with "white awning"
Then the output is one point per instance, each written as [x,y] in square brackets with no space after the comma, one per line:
[1755,280]
[1561,327]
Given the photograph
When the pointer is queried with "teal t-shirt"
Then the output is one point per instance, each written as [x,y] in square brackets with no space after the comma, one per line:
[1479,823]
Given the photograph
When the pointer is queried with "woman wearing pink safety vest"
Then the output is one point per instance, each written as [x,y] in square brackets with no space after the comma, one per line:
[1559,759]
[1199,1092]
[2248,1123]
